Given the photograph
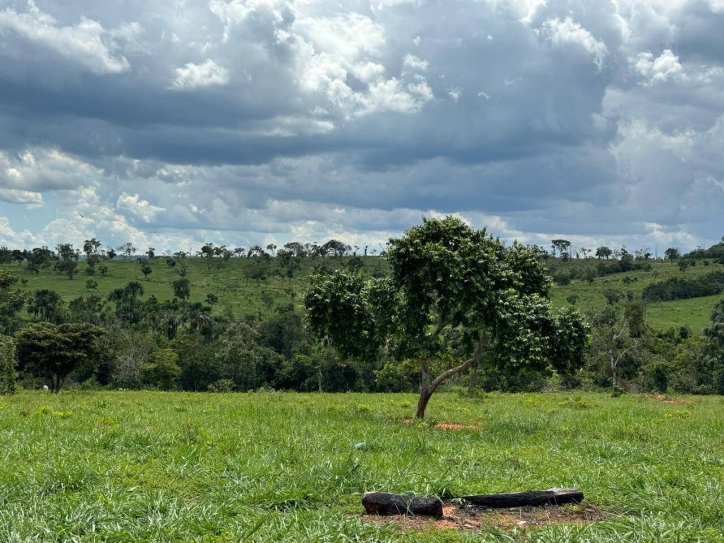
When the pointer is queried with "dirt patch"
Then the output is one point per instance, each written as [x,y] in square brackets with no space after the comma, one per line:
[468,517]
[671,401]
[449,425]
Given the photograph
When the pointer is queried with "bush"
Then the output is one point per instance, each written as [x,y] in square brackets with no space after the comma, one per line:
[222,385]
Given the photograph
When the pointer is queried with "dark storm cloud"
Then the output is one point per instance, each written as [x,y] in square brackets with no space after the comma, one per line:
[265,117]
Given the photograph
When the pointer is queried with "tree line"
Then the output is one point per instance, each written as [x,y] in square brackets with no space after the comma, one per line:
[456,306]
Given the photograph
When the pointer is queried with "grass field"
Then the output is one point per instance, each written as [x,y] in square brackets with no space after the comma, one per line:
[146,466]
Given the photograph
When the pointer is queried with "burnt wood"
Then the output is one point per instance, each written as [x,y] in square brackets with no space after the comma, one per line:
[383,503]
[552,496]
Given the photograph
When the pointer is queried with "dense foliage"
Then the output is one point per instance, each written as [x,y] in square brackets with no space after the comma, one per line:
[681,288]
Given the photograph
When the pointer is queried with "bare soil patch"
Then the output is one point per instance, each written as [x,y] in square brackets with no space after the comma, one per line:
[449,425]
[467,517]
[671,401]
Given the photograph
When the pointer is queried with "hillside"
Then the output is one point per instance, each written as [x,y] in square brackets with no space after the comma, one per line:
[234,285]
[694,313]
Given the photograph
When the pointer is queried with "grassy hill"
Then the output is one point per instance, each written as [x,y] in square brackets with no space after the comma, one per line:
[245,295]
[230,283]
[694,312]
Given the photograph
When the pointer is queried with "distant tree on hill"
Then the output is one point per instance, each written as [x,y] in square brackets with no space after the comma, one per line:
[146,268]
[603,252]
[67,267]
[181,288]
[560,245]
[672,253]
[127,249]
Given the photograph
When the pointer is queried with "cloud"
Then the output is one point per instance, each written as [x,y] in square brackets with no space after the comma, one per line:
[173,123]
[565,32]
[138,207]
[414,63]
[657,70]
[87,43]
[192,76]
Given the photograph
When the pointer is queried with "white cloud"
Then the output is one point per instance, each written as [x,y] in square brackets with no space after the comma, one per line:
[657,70]
[87,43]
[234,12]
[192,76]
[328,49]
[569,32]
[414,63]
[138,207]
[15,196]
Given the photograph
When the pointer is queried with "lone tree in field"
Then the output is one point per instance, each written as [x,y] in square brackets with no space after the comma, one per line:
[449,284]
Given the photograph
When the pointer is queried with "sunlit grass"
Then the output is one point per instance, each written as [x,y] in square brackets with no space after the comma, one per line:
[142,466]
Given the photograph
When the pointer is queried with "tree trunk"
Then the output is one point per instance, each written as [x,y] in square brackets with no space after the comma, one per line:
[552,496]
[473,378]
[425,392]
[382,503]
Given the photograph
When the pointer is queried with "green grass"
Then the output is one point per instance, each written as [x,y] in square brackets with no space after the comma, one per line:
[246,296]
[229,283]
[179,467]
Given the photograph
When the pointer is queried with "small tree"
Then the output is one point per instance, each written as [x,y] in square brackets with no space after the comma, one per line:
[448,280]
[603,252]
[672,253]
[8,375]
[146,268]
[163,371]
[181,288]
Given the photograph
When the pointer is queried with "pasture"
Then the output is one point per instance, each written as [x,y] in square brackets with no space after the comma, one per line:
[182,467]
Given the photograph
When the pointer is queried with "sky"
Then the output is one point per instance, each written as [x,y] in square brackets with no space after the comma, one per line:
[178,122]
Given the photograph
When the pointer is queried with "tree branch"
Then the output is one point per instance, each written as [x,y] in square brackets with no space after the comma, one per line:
[462,367]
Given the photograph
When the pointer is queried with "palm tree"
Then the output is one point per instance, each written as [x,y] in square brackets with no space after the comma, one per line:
[45,304]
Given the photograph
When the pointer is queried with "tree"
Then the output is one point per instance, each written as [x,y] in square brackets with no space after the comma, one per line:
[11,300]
[181,288]
[163,371]
[562,245]
[146,268]
[8,361]
[672,253]
[335,247]
[92,250]
[53,352]
[45,304]
[151,253]
[67,267]
[127,249]
[715,330]
[613,340]
[448,281]
[603,252]
[65,251]
[111,253]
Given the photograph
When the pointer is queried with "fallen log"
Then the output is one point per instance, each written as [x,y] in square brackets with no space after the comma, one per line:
[383,503]
[552,496]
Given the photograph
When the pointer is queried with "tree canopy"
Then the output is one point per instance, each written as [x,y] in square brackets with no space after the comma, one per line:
[54,351]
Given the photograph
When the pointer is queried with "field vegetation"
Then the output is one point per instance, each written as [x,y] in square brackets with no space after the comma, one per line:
[270,466]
